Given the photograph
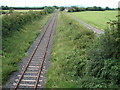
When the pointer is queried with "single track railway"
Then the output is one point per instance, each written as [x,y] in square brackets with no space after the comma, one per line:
[34,69]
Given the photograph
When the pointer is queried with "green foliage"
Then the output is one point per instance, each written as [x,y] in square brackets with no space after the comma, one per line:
[11,10]
[83,61]
[21,8]
[15,46]
[4,12]
[5,7]
[104,57]
[49,9]
[111,39]
[15,37]
[94,8]
[62,8]
[68,54]
[76,9]
[56,7]
[13,22]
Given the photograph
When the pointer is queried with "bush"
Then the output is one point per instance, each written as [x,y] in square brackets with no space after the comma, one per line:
[13,22]
[49,9]
[82,60]
[62,8]
[4,12]
[104,57]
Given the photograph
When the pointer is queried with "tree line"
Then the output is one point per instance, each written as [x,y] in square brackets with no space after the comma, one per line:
[20,8]
[94,8]
[70,9]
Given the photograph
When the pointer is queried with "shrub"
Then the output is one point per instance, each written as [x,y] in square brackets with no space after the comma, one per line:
[104,57]
[62,8]
[49,9]
[13,22]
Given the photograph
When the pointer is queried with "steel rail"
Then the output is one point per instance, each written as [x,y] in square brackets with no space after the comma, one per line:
[32,56]
[45,53]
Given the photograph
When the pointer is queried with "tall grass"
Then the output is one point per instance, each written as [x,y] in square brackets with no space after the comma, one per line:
[81,60]
[16,45]
[19,31]
[69,50]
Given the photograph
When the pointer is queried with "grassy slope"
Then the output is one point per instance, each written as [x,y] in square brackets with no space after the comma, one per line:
[66,42]
[98,19]
[16,46]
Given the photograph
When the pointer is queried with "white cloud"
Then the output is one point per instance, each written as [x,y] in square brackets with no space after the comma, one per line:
[103,3]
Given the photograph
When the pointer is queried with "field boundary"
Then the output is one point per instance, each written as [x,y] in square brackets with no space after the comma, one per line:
[96,30]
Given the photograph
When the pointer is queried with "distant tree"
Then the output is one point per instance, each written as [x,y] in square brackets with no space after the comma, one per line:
[11,10]
[107,8]
[75,9]
[70,10]
[89,9]
[49,9]
[56,7]
[62,8]
[119,9]
[78,9]
[4,7]
[95,8]
[100,9]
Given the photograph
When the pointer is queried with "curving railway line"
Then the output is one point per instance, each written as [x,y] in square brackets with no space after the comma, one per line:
[32,73]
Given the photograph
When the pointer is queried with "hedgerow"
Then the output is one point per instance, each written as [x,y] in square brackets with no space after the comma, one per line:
[79,60]
[97,65]
[19,31]
[15,21]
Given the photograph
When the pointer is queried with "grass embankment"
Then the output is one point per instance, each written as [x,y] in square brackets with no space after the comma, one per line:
[69,50]
[17,44]
[98,19]
[81,60]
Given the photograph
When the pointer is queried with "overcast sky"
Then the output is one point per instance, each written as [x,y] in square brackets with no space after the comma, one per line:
[33,3]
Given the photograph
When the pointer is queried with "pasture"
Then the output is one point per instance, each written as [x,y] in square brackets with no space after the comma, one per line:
[98,19]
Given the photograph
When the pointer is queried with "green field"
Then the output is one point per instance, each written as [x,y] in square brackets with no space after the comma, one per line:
[22,10]
[25,10]
[98,19]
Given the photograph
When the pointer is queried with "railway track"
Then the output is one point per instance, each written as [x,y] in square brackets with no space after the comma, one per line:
[32,74]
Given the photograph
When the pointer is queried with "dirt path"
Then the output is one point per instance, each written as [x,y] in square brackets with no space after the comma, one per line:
[47,30]
[98,31]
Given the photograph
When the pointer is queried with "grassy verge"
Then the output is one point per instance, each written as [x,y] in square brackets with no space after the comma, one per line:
[98,19]
[15,47]
[79,60]
[69,53]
